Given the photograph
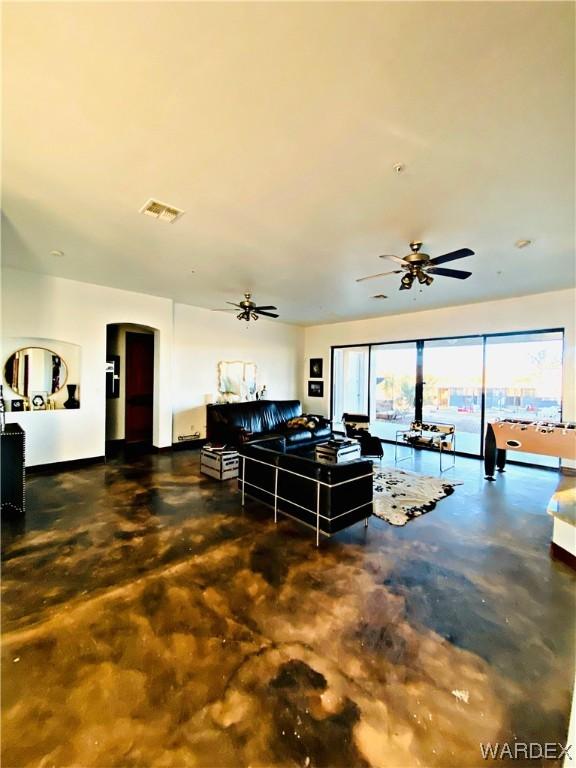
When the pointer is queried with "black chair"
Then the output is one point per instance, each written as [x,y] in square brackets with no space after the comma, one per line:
[357,427]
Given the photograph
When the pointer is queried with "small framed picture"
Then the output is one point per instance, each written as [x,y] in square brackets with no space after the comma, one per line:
[38,401]
[316,365]
[315,389]
[17,405]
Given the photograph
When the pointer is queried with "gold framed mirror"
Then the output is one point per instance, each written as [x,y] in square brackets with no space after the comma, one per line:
[35,370]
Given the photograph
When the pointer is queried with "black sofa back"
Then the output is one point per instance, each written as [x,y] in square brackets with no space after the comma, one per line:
[225,423]
[298,487]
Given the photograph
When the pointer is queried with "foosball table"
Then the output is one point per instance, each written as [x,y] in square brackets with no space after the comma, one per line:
[549,438]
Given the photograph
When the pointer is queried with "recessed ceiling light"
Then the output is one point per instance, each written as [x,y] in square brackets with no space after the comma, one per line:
[522,243]
[57,253]
[379,296]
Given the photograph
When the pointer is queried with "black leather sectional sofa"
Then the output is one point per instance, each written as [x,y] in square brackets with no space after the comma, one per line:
[237,423]
[326,497]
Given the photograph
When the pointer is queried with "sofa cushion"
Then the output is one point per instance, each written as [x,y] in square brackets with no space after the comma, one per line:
[297,435]
[247,416]
[324,430]
[287,409]
[269,416]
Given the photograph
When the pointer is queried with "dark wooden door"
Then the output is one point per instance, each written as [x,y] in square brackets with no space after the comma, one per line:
[139,387]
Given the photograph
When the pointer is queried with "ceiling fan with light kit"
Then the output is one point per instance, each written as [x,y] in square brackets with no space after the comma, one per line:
[247,309]
[419,266]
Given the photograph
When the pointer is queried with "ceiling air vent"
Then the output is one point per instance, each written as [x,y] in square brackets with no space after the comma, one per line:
[161,211]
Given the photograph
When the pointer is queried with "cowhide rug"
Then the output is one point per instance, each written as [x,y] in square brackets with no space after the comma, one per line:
[400,496]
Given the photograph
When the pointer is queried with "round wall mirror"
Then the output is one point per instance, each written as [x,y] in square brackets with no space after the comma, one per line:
[35,370]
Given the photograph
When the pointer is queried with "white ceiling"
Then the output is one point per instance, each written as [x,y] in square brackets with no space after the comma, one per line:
[276,126]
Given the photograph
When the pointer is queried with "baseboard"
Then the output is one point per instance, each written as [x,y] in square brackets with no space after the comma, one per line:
[66,466]
[559,553]
[185,445]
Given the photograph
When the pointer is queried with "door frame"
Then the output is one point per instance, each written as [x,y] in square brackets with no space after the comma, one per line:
[156,414]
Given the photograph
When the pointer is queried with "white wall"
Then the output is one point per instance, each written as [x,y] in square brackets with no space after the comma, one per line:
[203,338]
[189,343]
[42,306]
[544,310]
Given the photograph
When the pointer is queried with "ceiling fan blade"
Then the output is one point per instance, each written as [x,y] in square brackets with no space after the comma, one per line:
[223,309]
[266,314]
[235,305]
[380,274]
[459,274]
[257,309]
[394,258]
[452,256]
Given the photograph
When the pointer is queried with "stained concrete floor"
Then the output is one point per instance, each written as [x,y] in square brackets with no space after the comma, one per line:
[149,621]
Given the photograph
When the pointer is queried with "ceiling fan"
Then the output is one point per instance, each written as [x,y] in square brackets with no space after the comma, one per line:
[247,309]
[419,266]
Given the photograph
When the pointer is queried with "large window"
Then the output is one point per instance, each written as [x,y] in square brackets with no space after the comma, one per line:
[452,388]
[466,381]
[350,381]
[524,381]
[393,386]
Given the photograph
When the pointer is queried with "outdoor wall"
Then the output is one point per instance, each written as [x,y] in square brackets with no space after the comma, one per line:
[203,338]
[77,313]
[526,313]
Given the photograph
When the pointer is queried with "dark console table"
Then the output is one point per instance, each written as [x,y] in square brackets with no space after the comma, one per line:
[12,480]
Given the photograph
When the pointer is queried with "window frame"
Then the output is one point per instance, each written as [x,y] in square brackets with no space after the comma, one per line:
[419,384]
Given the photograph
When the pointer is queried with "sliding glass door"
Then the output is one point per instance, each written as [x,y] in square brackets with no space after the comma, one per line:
[524,381]
[452,388]
[465,381]
[350,371]
[393,388]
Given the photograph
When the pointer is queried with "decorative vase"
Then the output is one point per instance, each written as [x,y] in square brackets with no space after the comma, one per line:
[72,401]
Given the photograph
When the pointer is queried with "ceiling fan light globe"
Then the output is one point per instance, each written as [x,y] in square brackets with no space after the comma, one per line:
[429,280]
[422,278]
[407,280]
